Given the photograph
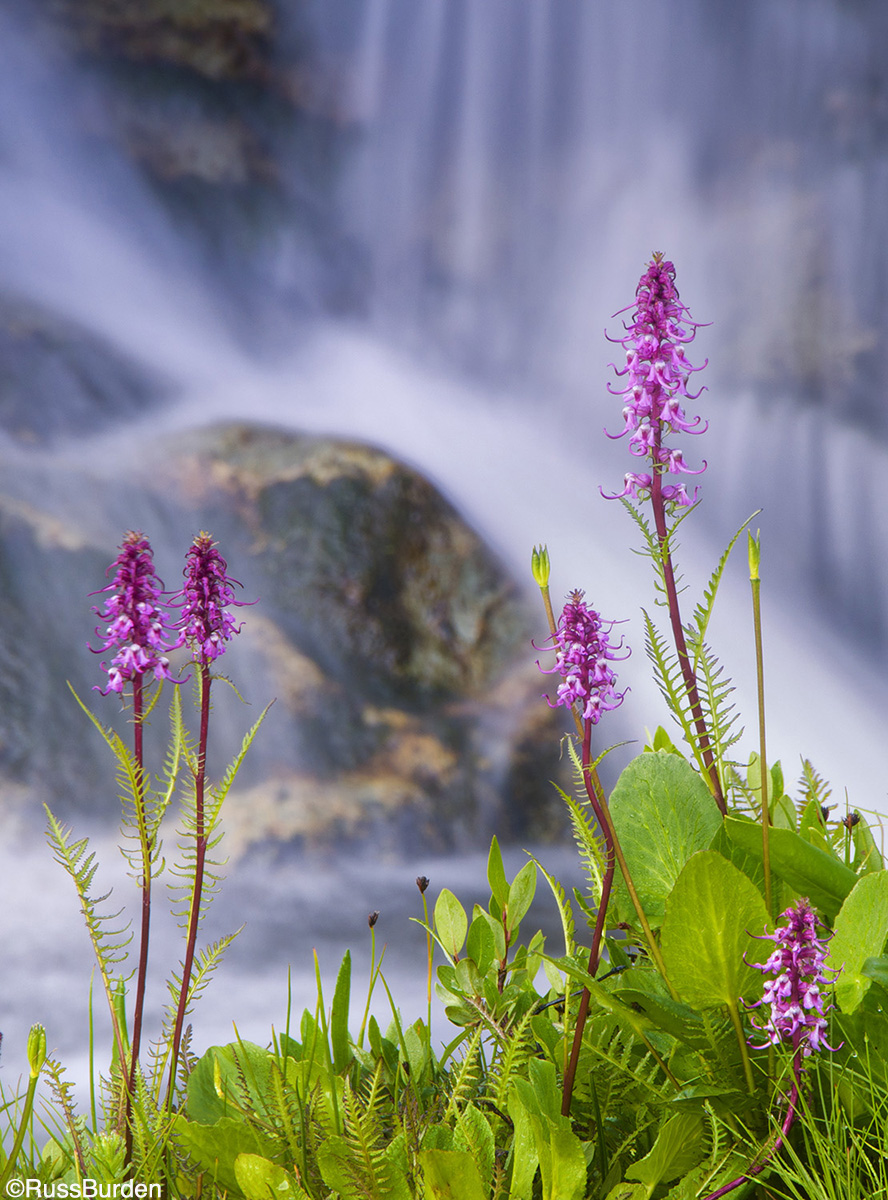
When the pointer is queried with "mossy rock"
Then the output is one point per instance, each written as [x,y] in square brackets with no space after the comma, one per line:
[363,563]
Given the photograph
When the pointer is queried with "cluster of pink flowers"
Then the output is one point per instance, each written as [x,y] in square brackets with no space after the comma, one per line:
[139,627]
[657,373]
[583,657]
[205,622]
[138,624]
[797,1013]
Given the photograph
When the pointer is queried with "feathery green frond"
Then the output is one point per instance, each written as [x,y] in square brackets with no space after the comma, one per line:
[515,1053]
[110,943]
[465,1076]
[564,909]
[669,679]
[812,785]
[205,963]
[696,631]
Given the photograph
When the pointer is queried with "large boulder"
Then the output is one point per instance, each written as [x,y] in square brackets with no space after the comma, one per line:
[397,646]
[408,707]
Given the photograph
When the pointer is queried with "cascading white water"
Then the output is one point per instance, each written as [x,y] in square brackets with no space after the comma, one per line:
[515,163]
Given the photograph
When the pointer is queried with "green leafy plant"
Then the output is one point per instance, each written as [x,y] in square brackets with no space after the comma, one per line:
[714,1019]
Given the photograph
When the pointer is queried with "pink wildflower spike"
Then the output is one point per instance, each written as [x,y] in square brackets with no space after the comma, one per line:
[657,373]
[137,625]
[797,1012]
[583,653]
[208,593]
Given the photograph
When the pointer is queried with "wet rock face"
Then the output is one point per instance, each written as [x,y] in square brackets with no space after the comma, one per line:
[56,378]
[408,708]
[364,564]
[397,646]
[219,39]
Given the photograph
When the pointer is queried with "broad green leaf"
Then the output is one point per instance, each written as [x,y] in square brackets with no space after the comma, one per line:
[236,1064]
[713,917]
[480,945]
[417,1049]
[867,856]
[876,969]
[861,929]
[783,813]
[861,1039]
[680,1020]
[662,741]
[812,826]
[751,865]
[215,1148]
[559,1150]
[521,894]
[496,876]
[451,1175]
[468,978]
[260,1179]
[630,1191]
[562,1160]
[525,1159]
[810,871]
[339,1016]
[496,928]
[663,813]
[450,922]
[473,1134]
[678,1148]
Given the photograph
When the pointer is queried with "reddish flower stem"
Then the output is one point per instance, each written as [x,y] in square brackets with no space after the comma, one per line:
[681,647]
[598,803]
[757,1168]
[145,886]
[199,864]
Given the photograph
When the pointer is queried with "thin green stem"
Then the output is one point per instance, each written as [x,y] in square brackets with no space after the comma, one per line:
[690,680]
[594,952]
[372,981]
[744,1049]
[763,752]
[145,887]
[430,953]
[20,1133]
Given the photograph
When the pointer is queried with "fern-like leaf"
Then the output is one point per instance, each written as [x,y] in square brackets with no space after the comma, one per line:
[110,942]
[465,1076]
[813,786]
[205,963]
[703,611]
[669,679]
[564,909]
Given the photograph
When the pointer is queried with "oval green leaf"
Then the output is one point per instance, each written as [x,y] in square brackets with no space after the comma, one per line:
[521,893]
[663,813]
[451,922]
[861,929]
[807,869]
[713,918]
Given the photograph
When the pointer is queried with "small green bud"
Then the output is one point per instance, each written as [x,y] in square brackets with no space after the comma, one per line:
[755,554]
[540,566]
[36,1049]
